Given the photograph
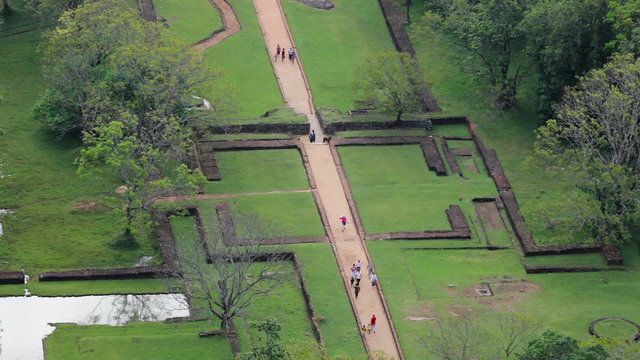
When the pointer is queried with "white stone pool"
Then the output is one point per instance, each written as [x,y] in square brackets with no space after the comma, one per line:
[24,321]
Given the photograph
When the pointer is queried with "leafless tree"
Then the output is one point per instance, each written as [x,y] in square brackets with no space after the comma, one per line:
[453,338]
[225,273]
[513,330]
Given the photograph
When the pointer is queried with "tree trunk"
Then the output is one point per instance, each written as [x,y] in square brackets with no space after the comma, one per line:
[6,9]
[398,116]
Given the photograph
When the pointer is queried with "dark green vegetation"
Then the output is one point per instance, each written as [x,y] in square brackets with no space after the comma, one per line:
[332,44]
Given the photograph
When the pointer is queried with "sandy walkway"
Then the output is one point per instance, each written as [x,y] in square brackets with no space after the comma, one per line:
[230,25]
[348,246]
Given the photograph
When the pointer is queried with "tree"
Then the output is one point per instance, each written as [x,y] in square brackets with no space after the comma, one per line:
[565,39]
[490,31]
[391,83]
[594,144]
[51,9]
[272,349]
[146,170]
[224,277]
[623,15]
[453,338]
[104,59]
[126,85]
[6,9]
[513,330]
[554,346]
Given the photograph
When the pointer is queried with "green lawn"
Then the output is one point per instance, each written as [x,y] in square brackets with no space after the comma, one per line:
[192,20]
[358,133]
[136,341]
[332,44]
[245,60]
[432,283]
[595,259]
[405,195]
[259,170]
[289,215]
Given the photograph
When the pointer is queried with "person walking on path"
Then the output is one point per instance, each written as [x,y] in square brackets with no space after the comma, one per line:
[370,268]
[358,266]
[358,278]
[343,220]
[357,290]
[353,274]
[374,279]
[292,54]
[363,331]
[278,52]
[282,54]
[373,323]
[312,136]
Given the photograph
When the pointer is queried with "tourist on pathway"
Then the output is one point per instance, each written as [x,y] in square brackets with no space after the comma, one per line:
[369,329]
[277,52]
[358,278]
[374,279]
[312,136]
[358,266]
[357,290]
[343,220]
[283,54]
[363,331]
[373,323]
[353,274]
[292,55]
[370,268]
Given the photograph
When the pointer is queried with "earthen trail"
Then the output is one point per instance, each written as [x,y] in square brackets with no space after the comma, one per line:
[230,25]
[348,245]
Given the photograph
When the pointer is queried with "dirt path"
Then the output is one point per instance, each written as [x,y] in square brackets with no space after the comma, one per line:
[348,245]
[230,25]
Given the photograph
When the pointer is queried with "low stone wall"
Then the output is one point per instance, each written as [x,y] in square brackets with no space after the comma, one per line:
[460,230]
[427,144]
[166,240]
[396,21]
[451,159]
[209,145]
[227,227]
[11,277]
[432,155]
[141,272]
[545,269]
[333,127]
[205,160]
[261,128]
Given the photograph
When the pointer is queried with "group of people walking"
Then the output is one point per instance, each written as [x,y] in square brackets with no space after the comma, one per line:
[281,52]
[356,276]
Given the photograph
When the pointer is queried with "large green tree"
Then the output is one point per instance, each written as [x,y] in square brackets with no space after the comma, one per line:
[491,33]
[51,9]
[554,346]
[565,39]
[390,83]
[593,145]
[125,85]
[103,58]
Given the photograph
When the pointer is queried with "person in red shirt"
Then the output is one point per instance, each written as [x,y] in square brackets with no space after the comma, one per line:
[373,323]
[343,220]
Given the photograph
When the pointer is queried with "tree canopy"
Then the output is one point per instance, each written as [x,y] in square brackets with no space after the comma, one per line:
[554,346]
[391,83]
[593,144]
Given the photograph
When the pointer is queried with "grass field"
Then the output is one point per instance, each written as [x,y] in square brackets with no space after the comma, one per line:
[245,60]
[191,20]
[258,171]
[289,215]
[332,44]
[405,195]
[434,283]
